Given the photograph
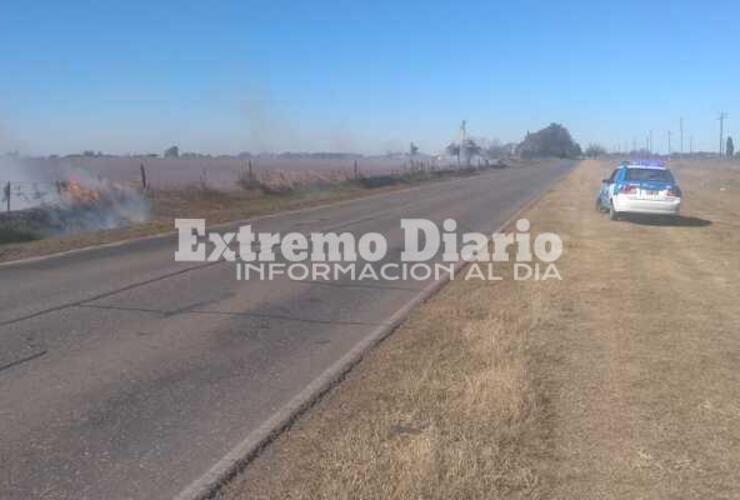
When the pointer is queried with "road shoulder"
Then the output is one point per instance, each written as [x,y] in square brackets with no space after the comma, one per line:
[617,381]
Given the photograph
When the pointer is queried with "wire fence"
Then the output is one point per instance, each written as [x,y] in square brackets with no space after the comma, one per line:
[21,195]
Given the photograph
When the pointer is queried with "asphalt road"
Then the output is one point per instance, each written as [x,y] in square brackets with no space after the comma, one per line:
[124,374]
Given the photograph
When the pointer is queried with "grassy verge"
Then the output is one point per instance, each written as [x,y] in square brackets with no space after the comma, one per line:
[619,381]
[14,234]
[446,408]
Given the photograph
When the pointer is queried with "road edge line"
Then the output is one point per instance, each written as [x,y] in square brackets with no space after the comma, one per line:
[208,484]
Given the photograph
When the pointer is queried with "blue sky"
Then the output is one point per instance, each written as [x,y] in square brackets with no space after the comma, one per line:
[223,76]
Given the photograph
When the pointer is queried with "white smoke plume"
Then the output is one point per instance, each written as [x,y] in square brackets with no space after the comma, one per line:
[69,201]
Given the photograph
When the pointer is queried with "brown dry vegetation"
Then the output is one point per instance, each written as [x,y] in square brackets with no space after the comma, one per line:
[620,381]
[216,206]
[265,192]
[278,191]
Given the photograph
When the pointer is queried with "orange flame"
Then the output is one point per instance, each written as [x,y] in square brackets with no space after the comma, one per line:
[80,194]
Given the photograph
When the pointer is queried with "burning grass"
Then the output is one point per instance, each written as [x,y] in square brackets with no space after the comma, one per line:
[80,208]
[151,212]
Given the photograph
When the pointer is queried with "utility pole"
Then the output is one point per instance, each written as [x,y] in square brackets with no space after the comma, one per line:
[634,144]
[722,117]
[650,149]
[669,143]
[462,142]
[680,124]
[691,144]
[463,133]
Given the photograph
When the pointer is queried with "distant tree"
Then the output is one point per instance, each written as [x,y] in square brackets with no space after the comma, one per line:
[413,149]
[467,151]
[552,141]
[498,150]
[172,152]
[453,149]
[730,147]
[595,150]
[470,149]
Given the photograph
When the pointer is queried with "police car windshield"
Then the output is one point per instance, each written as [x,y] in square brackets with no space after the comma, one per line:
[649,174]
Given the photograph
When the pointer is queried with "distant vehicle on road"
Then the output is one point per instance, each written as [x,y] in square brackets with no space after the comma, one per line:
[639,187]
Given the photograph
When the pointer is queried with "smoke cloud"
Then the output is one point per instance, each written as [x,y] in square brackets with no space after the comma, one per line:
[69,201]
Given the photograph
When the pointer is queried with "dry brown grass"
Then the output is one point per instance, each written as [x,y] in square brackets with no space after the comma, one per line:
[620,381]
[194,201]
[649,345]
[447,408]
[263,193]
[284,181]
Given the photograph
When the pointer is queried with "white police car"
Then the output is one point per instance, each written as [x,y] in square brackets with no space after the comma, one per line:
[640,187]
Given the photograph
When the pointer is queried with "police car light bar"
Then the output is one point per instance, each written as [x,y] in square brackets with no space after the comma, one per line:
[646,163]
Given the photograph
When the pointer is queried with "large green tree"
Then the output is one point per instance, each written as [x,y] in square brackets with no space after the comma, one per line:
[552,141]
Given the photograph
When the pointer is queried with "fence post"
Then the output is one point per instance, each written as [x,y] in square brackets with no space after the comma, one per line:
[143,177]
[204,179]
[7,194]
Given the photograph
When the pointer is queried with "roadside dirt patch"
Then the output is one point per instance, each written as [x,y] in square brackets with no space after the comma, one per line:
[619,381]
